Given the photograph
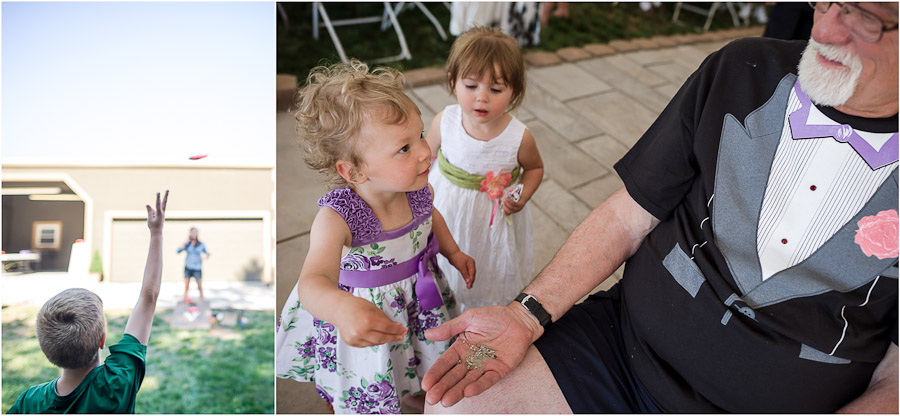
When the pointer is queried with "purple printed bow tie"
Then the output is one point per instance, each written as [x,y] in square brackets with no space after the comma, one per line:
[842,133]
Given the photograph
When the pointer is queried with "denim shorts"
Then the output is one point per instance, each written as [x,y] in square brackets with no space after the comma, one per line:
[189,273]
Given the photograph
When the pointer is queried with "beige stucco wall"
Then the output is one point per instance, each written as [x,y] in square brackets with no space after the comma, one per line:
[235,247]
[194,192]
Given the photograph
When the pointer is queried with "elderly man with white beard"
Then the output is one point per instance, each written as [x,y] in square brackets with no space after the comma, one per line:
[758,227]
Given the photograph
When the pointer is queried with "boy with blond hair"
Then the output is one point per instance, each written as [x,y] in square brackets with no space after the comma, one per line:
[71,330]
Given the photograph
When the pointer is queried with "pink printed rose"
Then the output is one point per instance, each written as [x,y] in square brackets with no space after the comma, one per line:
[877,234]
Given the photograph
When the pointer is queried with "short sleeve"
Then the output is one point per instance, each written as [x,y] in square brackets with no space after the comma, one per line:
[660,168]
[115,389]
[363,224]
[17,406]
[682,145]
[126,361]
[127,346]
[420,202]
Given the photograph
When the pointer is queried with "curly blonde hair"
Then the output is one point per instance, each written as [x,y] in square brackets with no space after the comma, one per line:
[69,328]
[335,104]
[482,50]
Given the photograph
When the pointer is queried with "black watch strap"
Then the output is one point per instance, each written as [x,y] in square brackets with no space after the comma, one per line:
[535,307]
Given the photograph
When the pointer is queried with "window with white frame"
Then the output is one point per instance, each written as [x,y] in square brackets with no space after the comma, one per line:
[46,235]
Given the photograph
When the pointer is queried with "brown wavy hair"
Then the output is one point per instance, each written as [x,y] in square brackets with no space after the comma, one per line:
[482,50]
[334,106]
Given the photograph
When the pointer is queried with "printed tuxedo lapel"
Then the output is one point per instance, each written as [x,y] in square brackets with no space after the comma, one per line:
[745,157]
[840,264]
[746,154]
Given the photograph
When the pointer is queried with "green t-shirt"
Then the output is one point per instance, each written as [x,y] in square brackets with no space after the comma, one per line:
[109,388]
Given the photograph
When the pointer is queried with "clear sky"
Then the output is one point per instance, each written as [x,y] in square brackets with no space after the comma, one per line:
[138,82]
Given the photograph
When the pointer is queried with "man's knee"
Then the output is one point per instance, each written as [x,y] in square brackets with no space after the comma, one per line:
[516,392]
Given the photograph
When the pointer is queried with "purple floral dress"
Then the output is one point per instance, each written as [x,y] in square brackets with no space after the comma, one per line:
[394,271]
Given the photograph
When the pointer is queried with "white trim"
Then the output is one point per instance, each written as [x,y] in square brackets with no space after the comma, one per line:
[32,163]
[32,190]
[60,197]
[192,214]
[846,324]
[264,215]
[273,232]
[71,183]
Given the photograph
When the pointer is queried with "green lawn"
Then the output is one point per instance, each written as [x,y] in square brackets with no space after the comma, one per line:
[219,371]
[588,23]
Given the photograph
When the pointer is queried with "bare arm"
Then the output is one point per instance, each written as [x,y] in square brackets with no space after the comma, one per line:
[600,244]
[433,137]
[318,285]
[881,396]
[448,247]
[532,173]
[141,320]
[359,322]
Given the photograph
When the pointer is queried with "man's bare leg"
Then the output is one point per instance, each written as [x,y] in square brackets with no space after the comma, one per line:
[529,388]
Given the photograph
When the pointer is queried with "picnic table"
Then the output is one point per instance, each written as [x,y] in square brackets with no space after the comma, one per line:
[22,260]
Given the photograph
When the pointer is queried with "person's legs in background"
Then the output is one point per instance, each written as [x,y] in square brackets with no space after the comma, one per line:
[187,283]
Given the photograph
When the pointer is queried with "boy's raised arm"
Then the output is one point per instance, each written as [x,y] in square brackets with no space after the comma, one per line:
[141,319]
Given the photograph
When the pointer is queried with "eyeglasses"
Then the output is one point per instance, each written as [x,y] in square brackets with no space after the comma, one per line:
[866,26]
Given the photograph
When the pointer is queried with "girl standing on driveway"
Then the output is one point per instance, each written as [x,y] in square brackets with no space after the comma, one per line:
[193,263]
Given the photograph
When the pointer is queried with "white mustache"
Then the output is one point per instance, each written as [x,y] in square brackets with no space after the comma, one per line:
[836,53]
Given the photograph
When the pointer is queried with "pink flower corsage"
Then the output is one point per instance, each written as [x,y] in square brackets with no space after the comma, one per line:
[494,184]
[877,234]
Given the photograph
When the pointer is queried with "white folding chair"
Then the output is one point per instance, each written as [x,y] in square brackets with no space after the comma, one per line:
[401,6]
[387,19]
[709,13]
[319,9]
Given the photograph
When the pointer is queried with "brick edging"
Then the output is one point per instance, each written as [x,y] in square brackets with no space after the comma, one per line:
[435,75]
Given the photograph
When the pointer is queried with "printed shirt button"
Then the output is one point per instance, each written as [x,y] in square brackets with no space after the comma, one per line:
[812,188]
[784,241]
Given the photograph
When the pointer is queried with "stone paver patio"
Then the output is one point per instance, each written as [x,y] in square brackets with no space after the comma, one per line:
[584,114]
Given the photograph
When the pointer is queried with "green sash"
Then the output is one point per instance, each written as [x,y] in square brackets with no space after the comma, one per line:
[465,179]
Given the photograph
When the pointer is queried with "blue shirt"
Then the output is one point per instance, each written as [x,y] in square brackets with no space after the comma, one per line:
[194,261]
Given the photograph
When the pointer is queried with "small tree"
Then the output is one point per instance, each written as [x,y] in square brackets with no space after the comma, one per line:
[96,265]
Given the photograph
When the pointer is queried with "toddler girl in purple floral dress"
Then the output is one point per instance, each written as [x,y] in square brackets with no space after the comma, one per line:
[370,286]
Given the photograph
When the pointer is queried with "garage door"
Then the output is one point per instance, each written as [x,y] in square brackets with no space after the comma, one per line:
[236,248]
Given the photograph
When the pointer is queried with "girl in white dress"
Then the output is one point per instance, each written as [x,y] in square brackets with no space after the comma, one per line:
[481,146]
[369,287]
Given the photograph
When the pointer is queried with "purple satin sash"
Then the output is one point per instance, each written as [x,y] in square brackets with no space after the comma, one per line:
[426,290]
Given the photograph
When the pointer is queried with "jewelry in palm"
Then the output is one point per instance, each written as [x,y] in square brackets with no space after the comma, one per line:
[477,356]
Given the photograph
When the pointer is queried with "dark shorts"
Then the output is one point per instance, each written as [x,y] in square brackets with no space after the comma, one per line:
[586,353]
[196,274]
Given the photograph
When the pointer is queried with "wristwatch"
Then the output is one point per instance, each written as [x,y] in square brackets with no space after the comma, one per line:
[535,307]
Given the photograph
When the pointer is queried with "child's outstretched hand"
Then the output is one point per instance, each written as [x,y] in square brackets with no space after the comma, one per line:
[156,217]
[362,324]
[465,265]
[511,207]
